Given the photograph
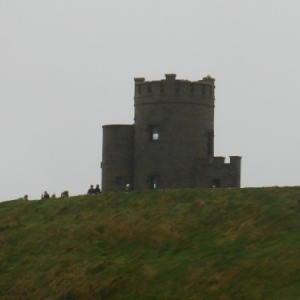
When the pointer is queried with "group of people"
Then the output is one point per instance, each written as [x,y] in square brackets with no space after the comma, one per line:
[94,191]
[91,191]
[45,195]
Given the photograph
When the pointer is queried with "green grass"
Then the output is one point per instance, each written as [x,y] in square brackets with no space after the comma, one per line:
[178,244]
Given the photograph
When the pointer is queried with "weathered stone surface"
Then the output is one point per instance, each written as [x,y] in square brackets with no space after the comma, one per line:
[171,143]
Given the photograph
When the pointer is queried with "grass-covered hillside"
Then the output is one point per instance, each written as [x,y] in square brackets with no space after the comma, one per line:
[177,244]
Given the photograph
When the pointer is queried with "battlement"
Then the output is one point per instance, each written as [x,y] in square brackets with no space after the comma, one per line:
[172,89]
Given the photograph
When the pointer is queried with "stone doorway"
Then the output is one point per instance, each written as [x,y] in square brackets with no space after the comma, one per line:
[216,183]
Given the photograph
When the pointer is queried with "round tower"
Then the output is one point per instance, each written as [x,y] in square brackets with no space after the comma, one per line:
[174,124]
[117,157]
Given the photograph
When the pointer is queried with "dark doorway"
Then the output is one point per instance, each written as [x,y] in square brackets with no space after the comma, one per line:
[119,181]
[210,144]
[153,182]
[216,183]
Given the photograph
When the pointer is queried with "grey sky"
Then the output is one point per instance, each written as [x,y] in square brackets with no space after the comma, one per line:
[67,68]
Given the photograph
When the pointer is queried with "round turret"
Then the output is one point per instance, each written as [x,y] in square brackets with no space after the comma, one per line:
[174,124]
[117,157]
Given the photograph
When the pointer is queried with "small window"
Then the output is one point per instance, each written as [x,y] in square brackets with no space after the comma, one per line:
[210,143]
[153,182]
[154,132]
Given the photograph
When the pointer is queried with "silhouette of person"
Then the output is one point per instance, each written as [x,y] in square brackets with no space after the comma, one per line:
[45,195]
[91,190]
[97,189]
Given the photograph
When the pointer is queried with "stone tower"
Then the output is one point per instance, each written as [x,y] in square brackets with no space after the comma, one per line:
[171,143]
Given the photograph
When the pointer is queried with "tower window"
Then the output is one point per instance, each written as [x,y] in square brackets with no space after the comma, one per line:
[154,132]
[210,143]
[153,182]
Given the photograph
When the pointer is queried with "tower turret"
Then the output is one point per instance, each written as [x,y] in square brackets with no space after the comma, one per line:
[117,157]
[174,123]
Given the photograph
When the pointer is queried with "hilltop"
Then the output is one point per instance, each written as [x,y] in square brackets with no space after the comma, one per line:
[177,244]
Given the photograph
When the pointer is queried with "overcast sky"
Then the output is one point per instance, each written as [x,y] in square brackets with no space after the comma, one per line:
[67,68]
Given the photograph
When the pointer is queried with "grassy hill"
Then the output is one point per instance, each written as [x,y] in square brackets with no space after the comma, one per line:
[177,244]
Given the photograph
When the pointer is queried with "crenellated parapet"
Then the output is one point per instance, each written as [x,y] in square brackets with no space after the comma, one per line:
[174,90]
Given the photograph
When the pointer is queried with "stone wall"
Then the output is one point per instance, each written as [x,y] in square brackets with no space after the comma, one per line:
[117,157]
[183,111]
[171,143]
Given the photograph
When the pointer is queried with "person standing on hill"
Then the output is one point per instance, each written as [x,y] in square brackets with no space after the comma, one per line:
[97,189]
[91,190]
[45,195]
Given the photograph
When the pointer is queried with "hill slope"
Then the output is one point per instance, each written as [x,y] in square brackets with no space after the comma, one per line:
[177,244]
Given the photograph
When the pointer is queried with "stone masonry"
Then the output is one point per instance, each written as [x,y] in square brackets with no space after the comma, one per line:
[171,143]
